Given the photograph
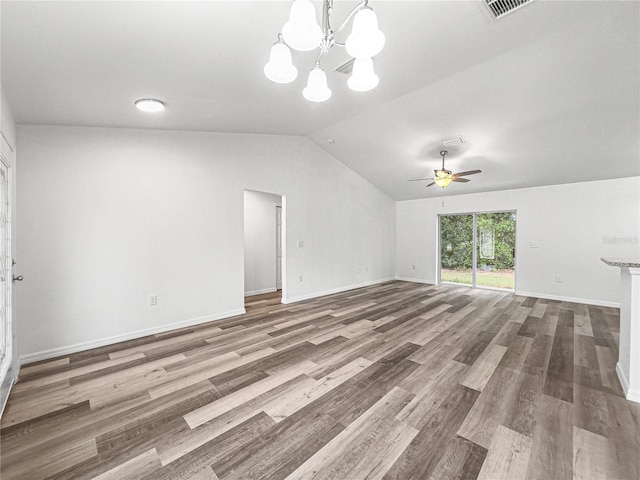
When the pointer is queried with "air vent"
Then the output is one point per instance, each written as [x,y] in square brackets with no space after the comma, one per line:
[345,68]
[453,141]
[499,8]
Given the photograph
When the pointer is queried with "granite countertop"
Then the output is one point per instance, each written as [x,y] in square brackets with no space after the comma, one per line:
[622,262]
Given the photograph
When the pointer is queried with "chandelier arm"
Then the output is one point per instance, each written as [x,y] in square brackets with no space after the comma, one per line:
[327,7]
[355,10]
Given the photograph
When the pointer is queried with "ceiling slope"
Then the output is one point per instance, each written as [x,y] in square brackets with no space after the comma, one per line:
[546,95]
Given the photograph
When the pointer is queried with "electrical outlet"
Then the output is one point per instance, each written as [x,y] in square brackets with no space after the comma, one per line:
[300,278]
[413,267]
[533,244]
[300,243]
[153,300]
[558,278]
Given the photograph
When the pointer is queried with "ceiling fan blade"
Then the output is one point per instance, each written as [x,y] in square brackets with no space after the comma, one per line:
[469,172]
[464,180]
[419,179]
[432,183]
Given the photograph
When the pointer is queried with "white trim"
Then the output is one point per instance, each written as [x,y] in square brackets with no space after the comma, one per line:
[78,347]
[414,280]
[335,290]
[6,398]
[624,383]
[8,372]
[260,292]
[631,394]
[586,301]
[4,137]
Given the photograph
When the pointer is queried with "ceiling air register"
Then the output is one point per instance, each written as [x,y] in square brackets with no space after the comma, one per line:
[499,8]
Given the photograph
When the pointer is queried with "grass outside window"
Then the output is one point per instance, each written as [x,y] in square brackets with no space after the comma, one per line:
[496,279]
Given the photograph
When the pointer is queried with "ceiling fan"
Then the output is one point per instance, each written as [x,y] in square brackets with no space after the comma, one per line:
[444,177]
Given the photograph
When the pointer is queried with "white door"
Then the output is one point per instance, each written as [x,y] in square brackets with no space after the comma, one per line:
[5,270]
[279,248]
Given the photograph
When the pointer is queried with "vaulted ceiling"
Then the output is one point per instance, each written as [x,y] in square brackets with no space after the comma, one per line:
[549,94]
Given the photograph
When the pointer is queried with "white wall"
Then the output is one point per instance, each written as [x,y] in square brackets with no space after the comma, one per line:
[260,242]
[574,225]
[111,216]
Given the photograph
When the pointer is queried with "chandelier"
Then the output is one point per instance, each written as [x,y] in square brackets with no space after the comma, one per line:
[302,32]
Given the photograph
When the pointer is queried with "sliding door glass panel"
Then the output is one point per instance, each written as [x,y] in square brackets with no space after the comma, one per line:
[456,249]
[495,249]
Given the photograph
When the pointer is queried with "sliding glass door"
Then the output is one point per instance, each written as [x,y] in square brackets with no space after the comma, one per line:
[478,249]
[456,249]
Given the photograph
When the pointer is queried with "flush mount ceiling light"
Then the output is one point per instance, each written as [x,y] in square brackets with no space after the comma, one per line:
[302,32]
[149,105]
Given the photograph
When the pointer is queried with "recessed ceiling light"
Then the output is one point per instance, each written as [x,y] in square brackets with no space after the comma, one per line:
[150,105]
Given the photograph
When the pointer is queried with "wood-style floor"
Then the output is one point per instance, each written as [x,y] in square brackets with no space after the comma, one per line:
[393,381]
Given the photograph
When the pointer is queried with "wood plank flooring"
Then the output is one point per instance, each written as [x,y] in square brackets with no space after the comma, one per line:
[393,381]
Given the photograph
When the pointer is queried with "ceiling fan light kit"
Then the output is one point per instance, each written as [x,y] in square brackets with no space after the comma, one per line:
[444,177]
[443,182]
[303,33]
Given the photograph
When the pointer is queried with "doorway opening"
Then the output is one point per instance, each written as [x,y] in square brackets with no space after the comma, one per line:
[478,249]
[264,227]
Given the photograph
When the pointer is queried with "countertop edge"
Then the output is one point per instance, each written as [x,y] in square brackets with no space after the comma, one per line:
[621,262]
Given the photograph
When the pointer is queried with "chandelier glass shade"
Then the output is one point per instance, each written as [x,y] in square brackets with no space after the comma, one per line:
[280,69]
[363,77]
[302,32]
[366,39]
[316,89]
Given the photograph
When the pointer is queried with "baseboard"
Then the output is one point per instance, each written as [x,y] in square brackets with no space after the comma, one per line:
[78,347]
[414,280]
[5,391]
[624,383]
[260,292]
[630,393]
[633,395]
[586,301]
[335,290]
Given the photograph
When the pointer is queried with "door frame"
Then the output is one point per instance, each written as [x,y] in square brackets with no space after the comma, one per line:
[283,233]
[7,360]
[475,253]
[279,251]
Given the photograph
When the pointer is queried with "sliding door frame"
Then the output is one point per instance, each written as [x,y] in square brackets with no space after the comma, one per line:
[475,253]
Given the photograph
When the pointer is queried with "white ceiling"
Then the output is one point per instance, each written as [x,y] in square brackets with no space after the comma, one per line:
[549,94]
